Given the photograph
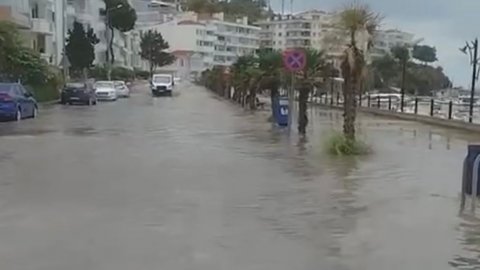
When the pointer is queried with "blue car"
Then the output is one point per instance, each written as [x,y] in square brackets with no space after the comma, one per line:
[16,102]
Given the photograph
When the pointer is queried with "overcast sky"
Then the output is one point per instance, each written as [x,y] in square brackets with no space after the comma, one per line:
[445,24]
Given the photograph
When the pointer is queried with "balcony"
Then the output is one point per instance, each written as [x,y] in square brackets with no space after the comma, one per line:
[42,26]
[21,20]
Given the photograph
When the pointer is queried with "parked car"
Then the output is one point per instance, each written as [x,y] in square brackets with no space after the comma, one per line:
[105,90]
[80,93]
[122,89]
[162,84]
[16,102]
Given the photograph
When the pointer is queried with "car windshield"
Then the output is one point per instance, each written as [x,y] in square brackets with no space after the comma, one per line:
[161,79]
[104,85]
[7,89]
[119,84]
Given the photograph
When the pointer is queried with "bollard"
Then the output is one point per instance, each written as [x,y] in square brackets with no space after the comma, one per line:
[431,107]
[331,99]
[360,99]
[378,102]
[326,99]
[338,98]
[450,106]
[471,165]
[416,106]
[389,103]
[368,101]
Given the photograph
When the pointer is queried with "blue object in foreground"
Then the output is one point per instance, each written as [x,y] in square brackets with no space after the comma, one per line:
[468,174]
[280,111]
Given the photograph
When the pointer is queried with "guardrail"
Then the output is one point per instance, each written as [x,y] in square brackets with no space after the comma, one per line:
[425,109]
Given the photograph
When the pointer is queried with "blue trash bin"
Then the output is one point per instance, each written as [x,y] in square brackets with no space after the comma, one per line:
[473,151]
[280,111]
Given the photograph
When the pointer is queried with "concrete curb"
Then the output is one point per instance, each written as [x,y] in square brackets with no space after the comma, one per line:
[457,124]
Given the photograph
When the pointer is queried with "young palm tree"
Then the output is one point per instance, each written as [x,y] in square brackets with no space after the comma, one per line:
[314,73]
[271,65]
[243,70]
[357,20]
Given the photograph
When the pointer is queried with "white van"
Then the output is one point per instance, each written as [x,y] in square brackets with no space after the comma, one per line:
[162,84]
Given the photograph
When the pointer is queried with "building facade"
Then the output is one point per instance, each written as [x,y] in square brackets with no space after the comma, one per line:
[202,42]
[36,21]
[319,30]
[385,40]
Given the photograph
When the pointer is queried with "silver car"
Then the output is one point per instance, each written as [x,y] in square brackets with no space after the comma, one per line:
[105,90]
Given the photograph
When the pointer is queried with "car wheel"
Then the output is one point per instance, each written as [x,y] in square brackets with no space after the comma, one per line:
[35,112]
[18,115]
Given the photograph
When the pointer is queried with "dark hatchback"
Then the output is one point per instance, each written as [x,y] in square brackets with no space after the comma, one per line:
[78,93]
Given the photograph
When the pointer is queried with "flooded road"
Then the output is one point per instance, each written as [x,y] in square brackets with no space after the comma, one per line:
[194,182]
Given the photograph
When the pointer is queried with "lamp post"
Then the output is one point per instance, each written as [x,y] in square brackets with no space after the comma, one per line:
[472,50]
[109,37]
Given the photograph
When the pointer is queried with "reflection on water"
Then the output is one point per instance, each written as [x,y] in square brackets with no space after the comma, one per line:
[225,187]
[469,228]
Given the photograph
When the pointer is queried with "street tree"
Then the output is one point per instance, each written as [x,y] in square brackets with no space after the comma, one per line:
[271,64]
[153,49]
[203,6]
[356,18]
[425,53]
[80,47]
[315,72]
[118,15]
[402,55]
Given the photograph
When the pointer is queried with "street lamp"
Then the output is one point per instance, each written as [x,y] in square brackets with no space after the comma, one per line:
[472,50]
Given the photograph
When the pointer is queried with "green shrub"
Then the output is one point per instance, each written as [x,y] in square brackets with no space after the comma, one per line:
[122,74]
[142,74]
[339,145]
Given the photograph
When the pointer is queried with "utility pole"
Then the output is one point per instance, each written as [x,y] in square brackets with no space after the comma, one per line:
[472,49]
[474,78]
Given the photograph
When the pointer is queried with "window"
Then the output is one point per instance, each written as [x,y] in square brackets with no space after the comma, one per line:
[280,34]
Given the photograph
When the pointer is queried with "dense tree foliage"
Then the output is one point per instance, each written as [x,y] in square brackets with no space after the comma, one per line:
[420,79]
[20,63]
[118,15]
[153,48]
[424,53]
[254,9]
[80,47]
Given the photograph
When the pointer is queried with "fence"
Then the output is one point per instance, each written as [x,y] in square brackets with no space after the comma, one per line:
[418,105]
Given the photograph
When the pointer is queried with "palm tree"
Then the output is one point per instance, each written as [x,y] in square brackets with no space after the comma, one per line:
[356,19]
[270,64]
[245,80]
[315,72]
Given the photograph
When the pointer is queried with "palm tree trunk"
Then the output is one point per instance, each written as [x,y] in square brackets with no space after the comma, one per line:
[302,109]
[349,106]
[253,97]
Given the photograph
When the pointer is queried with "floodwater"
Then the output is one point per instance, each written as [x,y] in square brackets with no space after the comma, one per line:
[194,182]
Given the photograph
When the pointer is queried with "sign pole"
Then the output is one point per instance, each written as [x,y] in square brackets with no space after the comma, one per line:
[291,101]
[293,61]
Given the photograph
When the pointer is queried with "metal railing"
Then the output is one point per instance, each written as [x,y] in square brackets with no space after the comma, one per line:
[420,105]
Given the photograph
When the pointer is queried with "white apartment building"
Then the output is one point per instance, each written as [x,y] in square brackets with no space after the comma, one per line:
[385,40]
[201,42]
[313,29]
[36,22]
